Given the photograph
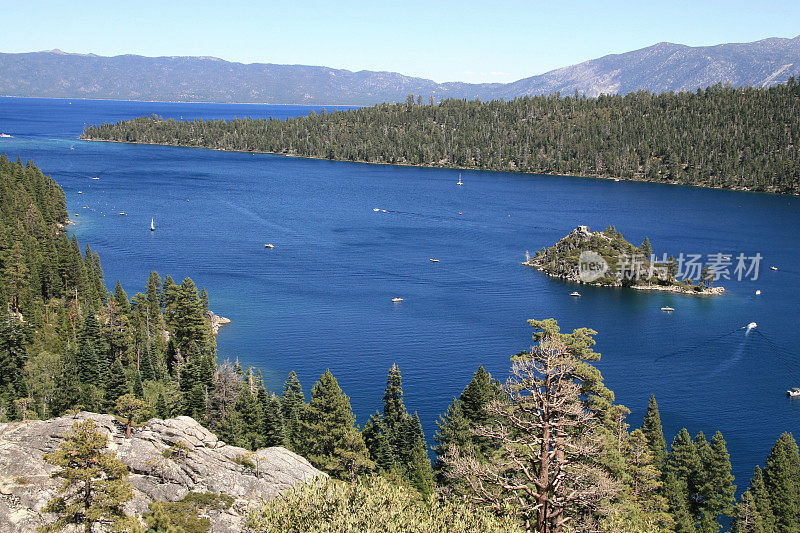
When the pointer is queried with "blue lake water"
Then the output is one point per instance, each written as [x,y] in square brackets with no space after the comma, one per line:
[321,298]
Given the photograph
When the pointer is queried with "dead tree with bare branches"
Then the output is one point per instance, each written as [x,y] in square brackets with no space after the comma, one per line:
[545,468]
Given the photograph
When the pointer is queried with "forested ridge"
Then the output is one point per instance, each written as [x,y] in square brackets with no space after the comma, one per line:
[735,138]
[548,450]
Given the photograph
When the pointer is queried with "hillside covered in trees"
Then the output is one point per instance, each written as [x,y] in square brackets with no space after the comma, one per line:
[735,138]
[547,450]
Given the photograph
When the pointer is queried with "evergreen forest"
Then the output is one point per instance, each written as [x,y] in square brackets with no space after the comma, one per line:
[724,137]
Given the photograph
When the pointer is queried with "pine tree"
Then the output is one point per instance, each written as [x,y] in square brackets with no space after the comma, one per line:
[191,329]
[95,486]
[328,436]
[685,464]
[88,363]
[121,299]
[481,391]
[195,402]
[116,385]
[754,511]
[231,429]
[717,491]
[130,409]
[252,416]
[13,352]
[292,403]
[782,481]
[162,409]
[453,431]
[204,299]
[677,495]
[273,429]
[146,365]
[377,442]
[395,414]
[418,466]
[644,480]
[646,248]
[138,389]
[655,434]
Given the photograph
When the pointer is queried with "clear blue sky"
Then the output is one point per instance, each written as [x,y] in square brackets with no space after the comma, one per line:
[444,41]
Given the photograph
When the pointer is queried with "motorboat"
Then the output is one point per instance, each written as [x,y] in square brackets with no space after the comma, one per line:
[376,209]
[576,293]
[667,309]
[459,180]
[793,393]
[758,292]
[773,268]
[432,260]
[269,245]
[397,300]
[152,225]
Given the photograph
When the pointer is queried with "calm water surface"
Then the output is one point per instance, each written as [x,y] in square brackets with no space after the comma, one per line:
[321,298]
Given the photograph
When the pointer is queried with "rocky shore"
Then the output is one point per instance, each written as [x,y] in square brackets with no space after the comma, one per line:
[208,465]
[216,321]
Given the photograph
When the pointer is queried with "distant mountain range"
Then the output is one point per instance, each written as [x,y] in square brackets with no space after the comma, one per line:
[658,68]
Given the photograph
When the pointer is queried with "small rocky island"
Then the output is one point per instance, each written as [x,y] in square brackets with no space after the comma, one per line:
[605,258]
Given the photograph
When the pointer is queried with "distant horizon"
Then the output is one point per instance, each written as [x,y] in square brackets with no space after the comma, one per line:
[377,69]
[444,41]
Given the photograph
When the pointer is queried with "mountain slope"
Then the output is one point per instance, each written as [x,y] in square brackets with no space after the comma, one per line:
[658,68]
[671,67]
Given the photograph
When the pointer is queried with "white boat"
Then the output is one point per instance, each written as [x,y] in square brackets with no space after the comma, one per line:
[459,180]
[576,293]
[773,268]
[269,245]
[80,192]
[793,393]
[123,213]
[397,300]
[758,292]
[152,225]
[96,178]
[6,136]
[667,308]
[375,209]
[432,260]
[751,325]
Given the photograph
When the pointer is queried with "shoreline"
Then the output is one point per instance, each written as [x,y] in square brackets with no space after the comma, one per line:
[171,101]
[453,167]
[677,289]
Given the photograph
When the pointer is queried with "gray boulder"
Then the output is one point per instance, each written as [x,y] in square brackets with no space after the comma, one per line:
[202,464]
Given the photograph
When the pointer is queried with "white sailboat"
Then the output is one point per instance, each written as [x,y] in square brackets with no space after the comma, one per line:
[152,225]
[459,180]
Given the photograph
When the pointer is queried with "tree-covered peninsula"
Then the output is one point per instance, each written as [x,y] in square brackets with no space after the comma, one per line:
[735,138]
[605,258]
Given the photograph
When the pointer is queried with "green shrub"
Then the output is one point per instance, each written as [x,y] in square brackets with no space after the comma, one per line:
[184,516]
[370,505]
